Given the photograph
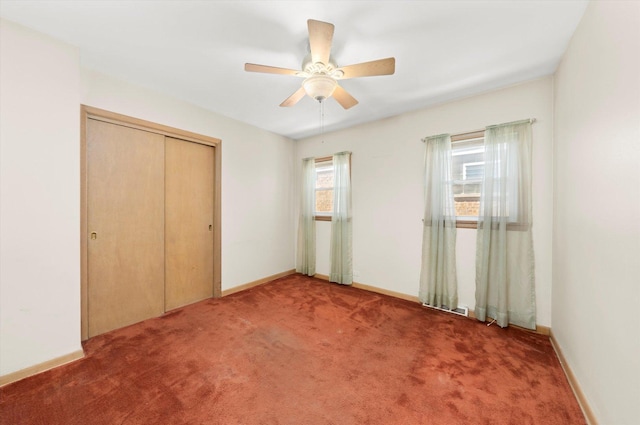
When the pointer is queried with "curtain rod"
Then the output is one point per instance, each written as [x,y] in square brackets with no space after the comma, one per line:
[531,120]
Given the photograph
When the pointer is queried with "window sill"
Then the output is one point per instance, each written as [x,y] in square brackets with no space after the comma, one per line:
[466,224]
[471,224]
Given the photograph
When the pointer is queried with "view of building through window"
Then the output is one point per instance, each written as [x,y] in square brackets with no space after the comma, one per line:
[467,168]
[324,188]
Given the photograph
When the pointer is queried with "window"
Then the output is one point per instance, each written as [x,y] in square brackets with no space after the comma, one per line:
[467,168]
[324,189]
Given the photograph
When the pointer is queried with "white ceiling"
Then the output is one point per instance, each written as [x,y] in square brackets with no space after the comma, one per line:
[196,50]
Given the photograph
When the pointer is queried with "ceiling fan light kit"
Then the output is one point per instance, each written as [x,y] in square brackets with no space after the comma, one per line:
[319,87]
[320,71]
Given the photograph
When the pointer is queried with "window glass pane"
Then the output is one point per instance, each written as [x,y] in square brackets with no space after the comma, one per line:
[473,170]
[324,188]
[468,209]
[324,177]
[467,167]
[324,201]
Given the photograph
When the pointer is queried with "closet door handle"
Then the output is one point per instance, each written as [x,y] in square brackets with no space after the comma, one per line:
[94,235]
[210,227]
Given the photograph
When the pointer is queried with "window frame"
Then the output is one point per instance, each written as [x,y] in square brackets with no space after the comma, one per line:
[324,217]
[473,224]
[465,223]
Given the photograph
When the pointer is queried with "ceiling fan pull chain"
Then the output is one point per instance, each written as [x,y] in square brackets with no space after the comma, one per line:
[321,121]
[322,112]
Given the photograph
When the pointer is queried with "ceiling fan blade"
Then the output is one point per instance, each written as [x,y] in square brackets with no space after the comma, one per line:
[320,39]
[252,67]
[294,98]
[368,69]
[344,98]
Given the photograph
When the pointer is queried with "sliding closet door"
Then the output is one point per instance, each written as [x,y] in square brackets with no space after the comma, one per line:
[189,185]
[125,226]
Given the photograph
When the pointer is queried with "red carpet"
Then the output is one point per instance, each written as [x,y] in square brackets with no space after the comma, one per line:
[302,351]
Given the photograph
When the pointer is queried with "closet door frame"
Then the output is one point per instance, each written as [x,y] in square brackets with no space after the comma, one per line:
[89,112]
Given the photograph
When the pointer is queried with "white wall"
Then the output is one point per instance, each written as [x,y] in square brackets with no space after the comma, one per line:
[257,170]
[42,86]
[596,245]
[387,175]
[39,198]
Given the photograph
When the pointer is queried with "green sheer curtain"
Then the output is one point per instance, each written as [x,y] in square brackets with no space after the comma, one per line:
[505,281]
[341,231]
[438,278]
[306,255]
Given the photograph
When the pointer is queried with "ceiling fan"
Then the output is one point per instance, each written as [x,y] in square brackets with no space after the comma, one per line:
[320,72]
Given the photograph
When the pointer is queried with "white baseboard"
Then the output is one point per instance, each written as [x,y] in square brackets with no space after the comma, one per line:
[41,367]
[256,282]
[573,382]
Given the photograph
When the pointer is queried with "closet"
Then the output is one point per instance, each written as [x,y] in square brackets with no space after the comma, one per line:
[150,220]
